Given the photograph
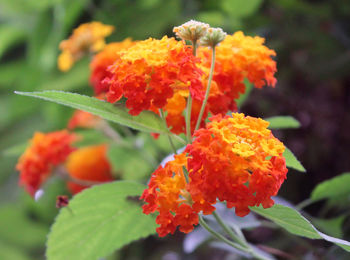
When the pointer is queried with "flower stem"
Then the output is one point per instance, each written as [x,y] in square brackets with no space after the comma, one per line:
[219,236]
[230,232]
[188,118]
[189,103]
[168,131]
[208,89]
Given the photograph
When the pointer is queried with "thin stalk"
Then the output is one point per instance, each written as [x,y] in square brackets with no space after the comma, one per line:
[189,103]
[212,66]
[188,118]
[109,131]
[304,204]
[221,237]
[168,131]
[229,231]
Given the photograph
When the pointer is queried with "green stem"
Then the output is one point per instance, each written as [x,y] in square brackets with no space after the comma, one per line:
[229,231]
[208,89]
[189,103]
[168,131]
[304,204]
[220,237]
[188,118]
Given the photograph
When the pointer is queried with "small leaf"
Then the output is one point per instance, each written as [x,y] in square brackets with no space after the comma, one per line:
[335,187]
[331,226]
[145,121]
[295,223]
[292,161]
[282,122]
[101,219]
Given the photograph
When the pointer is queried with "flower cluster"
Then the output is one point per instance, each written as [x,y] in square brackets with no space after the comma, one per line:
[83,119]
[237,57]
[45,152]
[88,164]
[102,60]
[234,159]
[149,73]
[88,37]
[49,153]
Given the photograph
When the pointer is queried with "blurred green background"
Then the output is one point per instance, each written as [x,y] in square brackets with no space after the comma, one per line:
[312,41]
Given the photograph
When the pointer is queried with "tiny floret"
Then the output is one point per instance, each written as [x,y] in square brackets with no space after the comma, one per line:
[191,30]
[213,37]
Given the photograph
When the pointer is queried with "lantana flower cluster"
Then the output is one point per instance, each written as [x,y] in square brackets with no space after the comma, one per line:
[235,160]
[49,153]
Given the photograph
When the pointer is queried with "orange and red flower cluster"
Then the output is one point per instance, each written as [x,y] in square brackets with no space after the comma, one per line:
[88,37]
[49,151]
[45,152]
[150,72]
[234,159]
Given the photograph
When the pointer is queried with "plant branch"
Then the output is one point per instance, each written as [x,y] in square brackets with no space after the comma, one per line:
[212,66]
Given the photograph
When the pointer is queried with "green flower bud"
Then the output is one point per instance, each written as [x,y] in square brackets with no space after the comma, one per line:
[213,37]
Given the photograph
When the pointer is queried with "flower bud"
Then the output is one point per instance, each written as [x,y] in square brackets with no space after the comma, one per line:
[191,30]
[213,37]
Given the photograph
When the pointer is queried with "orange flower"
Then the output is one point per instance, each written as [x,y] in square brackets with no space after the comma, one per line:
[237,57]
[234,159]
[102,61]
[149,73]
[88,164]
[83,119]
[44,153]
[88,37]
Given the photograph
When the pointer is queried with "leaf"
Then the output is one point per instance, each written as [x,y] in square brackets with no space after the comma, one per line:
[10,36]
[331,226]
[292,161]
[335,187]
[240,9]
[145,121]
[243,97]
[282,122]
[102,219]
[130,162]
[295,223]
[19,229]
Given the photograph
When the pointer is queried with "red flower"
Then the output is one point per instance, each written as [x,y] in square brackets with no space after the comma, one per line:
[44,153]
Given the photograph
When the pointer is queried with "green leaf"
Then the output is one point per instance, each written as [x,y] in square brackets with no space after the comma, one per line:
[243,97]
[282,122]
[102,219]
[295,223]
[145,121]
[132,163]
[10,36]
[331,226]
[335,187]
[240,9]
[292,161]
[19,229]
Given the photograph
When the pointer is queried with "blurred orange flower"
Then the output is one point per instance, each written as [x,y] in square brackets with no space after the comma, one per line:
[44,153]
[88,37]
[88,164]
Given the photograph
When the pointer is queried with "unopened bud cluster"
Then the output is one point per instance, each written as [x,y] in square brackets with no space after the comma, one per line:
[195,31]
[213,37]
[191,30]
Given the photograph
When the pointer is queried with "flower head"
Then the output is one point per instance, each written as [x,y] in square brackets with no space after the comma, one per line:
[150,72]
[213,37]
[88,164]
[234,159]
[237,57]
[102,61]
[88,37]
[83,119]
[191,30]
[45,152]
